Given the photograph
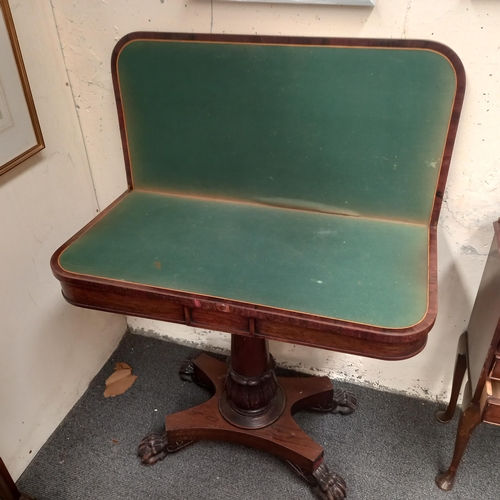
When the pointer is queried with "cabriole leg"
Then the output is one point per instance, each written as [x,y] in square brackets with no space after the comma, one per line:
[469,420]
[444,416]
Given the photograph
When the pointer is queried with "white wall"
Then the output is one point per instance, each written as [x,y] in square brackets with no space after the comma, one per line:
[89,29]
[49,350]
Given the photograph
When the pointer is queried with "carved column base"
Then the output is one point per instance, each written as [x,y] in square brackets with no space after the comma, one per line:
[252,419]
[252,402]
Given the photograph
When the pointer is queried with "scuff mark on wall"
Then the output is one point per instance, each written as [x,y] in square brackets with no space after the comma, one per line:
[350,374]
[470,250]
[407,16]
[195,343]
[211,16]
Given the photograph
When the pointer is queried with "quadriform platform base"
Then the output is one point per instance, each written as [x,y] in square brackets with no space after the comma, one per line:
[255,410]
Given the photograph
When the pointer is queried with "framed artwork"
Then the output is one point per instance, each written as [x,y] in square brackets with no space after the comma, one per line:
[20,133]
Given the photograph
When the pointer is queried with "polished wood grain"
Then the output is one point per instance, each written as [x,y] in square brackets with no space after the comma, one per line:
[283,438]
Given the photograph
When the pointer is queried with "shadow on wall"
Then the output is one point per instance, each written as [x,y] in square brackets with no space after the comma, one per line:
[454,308]
[454,303]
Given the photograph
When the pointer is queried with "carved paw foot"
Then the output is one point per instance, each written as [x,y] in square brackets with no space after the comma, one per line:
[330,486]
[155,447]
[187,373]
[343,402]
[326,485]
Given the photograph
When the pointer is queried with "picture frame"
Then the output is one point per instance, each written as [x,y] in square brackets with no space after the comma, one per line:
[20,132]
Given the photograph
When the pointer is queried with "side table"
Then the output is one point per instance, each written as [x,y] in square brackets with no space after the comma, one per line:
[478,355]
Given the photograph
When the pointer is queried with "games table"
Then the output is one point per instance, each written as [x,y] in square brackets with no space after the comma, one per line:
[279,188]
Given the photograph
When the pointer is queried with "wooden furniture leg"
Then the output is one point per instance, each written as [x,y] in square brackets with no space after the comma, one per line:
[8,489]
[469,420]
[444,416]
[479,356]
[253,407]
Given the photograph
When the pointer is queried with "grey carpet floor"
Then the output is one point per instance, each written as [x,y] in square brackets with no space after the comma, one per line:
[390,448]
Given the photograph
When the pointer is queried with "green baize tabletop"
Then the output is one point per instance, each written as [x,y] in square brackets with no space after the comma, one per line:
[353,268]
[294,177]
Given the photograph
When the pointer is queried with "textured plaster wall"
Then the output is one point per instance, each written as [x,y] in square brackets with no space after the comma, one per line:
[49,350]
[89,29]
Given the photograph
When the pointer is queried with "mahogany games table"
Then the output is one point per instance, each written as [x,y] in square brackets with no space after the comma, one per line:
[279,188]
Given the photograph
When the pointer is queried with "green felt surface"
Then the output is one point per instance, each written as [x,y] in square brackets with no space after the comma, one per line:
[357,269]
[346,130]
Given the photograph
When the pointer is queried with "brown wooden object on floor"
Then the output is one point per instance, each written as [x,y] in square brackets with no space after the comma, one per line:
[274,192]
[8,489]
[257,413]
[478,355]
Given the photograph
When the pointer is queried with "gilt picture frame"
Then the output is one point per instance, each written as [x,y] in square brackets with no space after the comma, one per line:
[20,132]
